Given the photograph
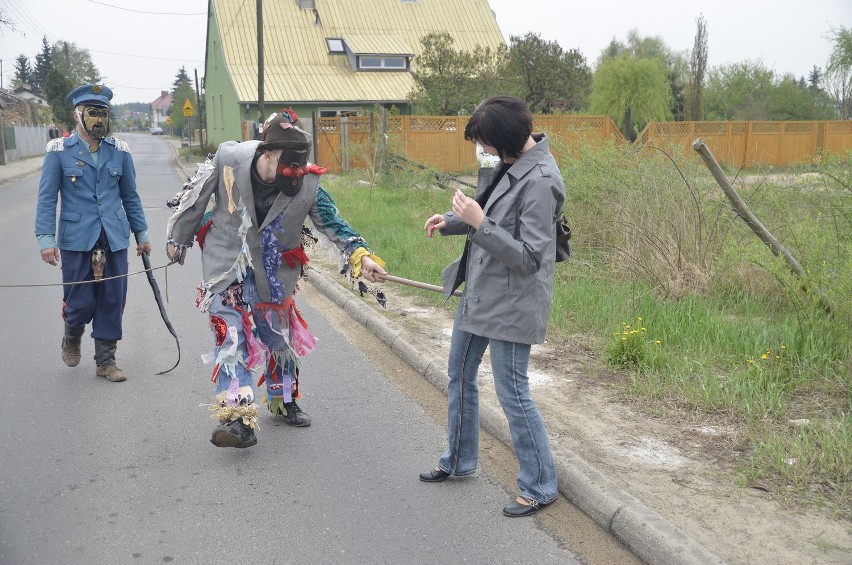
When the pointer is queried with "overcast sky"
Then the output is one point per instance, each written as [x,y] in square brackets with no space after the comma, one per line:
[140,46]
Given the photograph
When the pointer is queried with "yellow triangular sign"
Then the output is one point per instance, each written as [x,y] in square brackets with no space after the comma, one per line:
[187,106]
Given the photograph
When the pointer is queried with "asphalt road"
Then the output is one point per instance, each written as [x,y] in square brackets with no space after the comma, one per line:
[99,472]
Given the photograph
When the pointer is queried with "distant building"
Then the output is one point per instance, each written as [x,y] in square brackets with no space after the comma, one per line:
[7,98]
[26,93]
[329,58]
[160,108]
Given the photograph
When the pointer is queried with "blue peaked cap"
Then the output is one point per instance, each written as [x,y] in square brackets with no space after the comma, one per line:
[92,94]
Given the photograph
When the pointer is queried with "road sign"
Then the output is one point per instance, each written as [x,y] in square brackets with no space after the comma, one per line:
[168,120]
[187,108]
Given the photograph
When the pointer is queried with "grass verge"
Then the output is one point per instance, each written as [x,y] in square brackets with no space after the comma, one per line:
[672,289]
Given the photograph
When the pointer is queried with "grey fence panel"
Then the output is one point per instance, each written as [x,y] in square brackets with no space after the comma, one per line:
[30,141]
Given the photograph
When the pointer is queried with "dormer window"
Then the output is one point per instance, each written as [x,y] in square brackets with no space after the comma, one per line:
[335,45]
[385,62]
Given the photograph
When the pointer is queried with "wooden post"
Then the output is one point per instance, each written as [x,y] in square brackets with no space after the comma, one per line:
[2,144]
[751,220]
[344,142]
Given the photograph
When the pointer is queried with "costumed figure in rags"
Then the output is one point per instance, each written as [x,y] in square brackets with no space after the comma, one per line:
[246,208]
[92,177]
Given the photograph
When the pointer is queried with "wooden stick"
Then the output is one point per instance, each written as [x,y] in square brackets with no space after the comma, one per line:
[418,284]
[751,220]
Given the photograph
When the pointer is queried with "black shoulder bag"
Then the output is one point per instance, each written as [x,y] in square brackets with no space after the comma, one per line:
[563,239]
[563,235]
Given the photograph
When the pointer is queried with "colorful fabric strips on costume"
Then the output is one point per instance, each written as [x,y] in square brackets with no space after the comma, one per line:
[272,251]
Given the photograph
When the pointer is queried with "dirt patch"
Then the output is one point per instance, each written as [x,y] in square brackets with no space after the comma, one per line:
[678,464]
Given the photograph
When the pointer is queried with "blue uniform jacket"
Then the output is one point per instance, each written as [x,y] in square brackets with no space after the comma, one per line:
[93,197]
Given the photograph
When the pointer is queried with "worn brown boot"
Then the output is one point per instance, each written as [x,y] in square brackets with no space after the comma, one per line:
[71,344]
[105,359]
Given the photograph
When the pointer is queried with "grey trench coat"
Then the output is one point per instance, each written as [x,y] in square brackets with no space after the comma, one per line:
[511,262]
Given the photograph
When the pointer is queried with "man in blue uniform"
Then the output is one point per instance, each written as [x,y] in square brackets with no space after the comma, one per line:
[93,178]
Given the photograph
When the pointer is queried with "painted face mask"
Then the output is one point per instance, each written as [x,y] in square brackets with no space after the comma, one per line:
[291,171]
[95,121]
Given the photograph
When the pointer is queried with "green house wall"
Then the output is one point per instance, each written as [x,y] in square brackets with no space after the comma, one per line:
[226,115]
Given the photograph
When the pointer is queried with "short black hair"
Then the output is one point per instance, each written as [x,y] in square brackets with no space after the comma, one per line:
[503,122]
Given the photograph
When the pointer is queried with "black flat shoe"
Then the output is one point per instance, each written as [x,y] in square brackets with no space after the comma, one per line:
[517,510]
[434,476]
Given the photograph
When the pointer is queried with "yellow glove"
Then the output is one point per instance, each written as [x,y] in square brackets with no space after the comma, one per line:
[355,261]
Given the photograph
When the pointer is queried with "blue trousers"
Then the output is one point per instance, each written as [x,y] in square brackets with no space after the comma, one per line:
[100,303]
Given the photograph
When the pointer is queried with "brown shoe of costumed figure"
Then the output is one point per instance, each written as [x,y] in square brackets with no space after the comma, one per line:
[111,373]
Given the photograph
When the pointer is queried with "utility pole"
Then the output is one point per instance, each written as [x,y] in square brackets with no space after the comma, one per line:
[261,112]
[202,118]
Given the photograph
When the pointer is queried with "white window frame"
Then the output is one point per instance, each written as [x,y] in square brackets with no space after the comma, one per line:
[382,66]
[333,50]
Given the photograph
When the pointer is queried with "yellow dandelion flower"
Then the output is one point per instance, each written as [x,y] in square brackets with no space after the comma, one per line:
[764,356]
[658,342]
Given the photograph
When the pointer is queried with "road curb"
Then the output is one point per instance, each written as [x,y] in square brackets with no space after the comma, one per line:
[642,530]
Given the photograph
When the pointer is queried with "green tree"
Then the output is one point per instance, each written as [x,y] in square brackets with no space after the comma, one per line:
[44,63]
[181,91]
[738,91]
[633,91]
[838,72]
[789,99]
[653,47]
[57,87]
[814,78]
[450,81]
[543,73]
[75,63]
[841,53]
[694,95]
[23,71]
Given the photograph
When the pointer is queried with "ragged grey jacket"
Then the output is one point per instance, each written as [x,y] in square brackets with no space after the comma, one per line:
[510,264]
[235,241]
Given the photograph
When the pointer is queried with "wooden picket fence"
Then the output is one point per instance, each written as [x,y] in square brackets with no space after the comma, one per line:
[344,143]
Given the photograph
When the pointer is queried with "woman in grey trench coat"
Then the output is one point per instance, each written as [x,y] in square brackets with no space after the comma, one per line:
[507,267]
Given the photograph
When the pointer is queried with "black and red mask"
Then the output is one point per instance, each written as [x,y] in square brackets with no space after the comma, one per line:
[284,131]
[291,171]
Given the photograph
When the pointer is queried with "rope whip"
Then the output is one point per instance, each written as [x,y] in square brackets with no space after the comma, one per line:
[148,269]
[149,273]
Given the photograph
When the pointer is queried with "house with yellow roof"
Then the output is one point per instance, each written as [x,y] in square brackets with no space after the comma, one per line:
[325,58]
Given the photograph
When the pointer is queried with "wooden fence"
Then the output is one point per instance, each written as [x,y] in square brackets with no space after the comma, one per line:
[438,141]
[778,144]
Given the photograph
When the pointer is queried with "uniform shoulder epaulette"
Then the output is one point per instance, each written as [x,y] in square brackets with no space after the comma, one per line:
[121,145]
[57,144]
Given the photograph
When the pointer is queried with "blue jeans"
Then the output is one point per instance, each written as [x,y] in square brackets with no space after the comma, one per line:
[509,361]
